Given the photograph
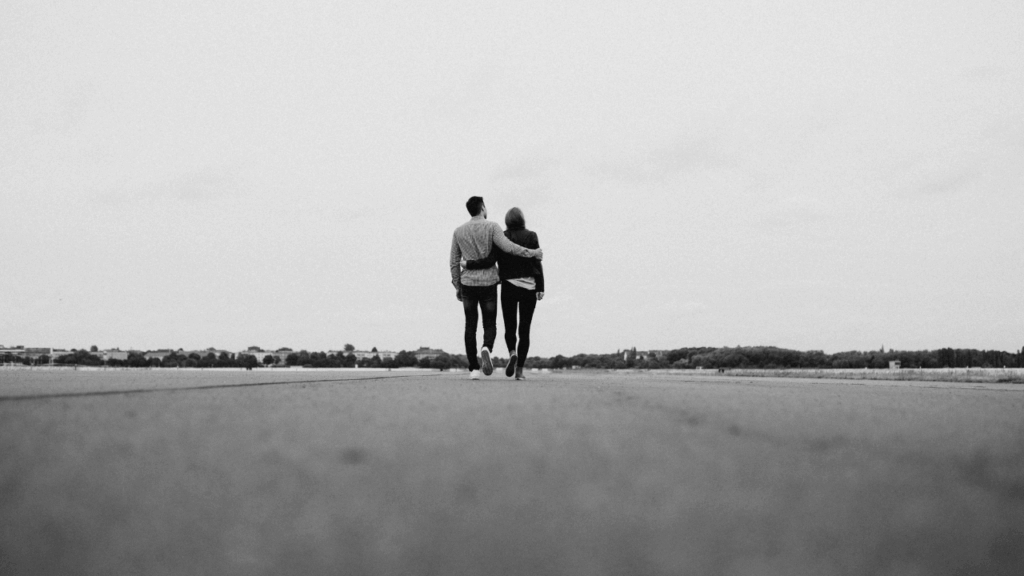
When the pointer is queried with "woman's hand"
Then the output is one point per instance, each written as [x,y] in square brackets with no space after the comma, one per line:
[540,295]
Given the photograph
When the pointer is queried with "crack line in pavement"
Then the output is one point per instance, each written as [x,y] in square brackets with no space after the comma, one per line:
[210,387]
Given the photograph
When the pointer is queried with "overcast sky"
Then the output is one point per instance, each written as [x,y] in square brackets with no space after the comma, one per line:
[805,174]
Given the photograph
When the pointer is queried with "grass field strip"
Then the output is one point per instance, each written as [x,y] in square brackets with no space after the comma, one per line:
[192,388]
[981,375]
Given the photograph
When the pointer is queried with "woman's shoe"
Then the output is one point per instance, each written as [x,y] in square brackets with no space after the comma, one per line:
[485,361]
[519,373]
[510,368]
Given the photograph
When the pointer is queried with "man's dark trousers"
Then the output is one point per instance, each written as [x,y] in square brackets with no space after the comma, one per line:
[486,297]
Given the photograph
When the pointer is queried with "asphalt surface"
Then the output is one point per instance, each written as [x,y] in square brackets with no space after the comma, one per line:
[351,472]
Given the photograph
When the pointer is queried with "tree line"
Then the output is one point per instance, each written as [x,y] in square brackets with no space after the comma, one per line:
[302,358]
[760,357]
[771,357]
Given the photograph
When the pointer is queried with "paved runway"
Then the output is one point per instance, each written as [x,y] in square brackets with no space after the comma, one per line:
[353,472]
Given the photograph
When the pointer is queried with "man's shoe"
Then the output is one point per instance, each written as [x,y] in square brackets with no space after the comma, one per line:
[510,368]
[519,373]
[485,361]
[474,375]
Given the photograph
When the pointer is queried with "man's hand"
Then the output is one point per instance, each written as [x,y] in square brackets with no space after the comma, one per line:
[458,295]
[538,254]
[540,295]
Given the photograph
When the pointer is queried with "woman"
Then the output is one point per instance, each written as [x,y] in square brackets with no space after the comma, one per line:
[522,285]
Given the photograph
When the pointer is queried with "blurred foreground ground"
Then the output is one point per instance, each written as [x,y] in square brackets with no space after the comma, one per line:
[349,472]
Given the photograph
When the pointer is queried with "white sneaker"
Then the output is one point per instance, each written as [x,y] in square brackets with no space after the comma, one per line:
[485,361]
[474,375]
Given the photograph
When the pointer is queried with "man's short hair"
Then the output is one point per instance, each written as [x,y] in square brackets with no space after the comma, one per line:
[475,205]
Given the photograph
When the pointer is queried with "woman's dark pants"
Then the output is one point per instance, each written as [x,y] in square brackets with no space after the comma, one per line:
[512,298]
[486,297]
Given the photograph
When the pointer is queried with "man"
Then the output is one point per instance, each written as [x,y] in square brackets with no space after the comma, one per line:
[473,241]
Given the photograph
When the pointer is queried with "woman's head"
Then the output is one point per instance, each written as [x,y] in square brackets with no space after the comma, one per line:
[514,219]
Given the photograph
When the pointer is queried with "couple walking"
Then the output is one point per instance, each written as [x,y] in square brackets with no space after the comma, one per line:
[477,246]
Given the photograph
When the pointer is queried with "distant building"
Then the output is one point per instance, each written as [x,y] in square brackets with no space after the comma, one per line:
[108,355]
[429,353]
[208,351]
[642,354]
[33,353]
[9,354]
[364,355]
[894,364]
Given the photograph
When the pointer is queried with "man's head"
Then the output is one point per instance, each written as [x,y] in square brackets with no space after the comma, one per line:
[476,207]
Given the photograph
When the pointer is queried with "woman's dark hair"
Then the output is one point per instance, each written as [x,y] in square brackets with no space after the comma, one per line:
[514,219]
[475,204]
